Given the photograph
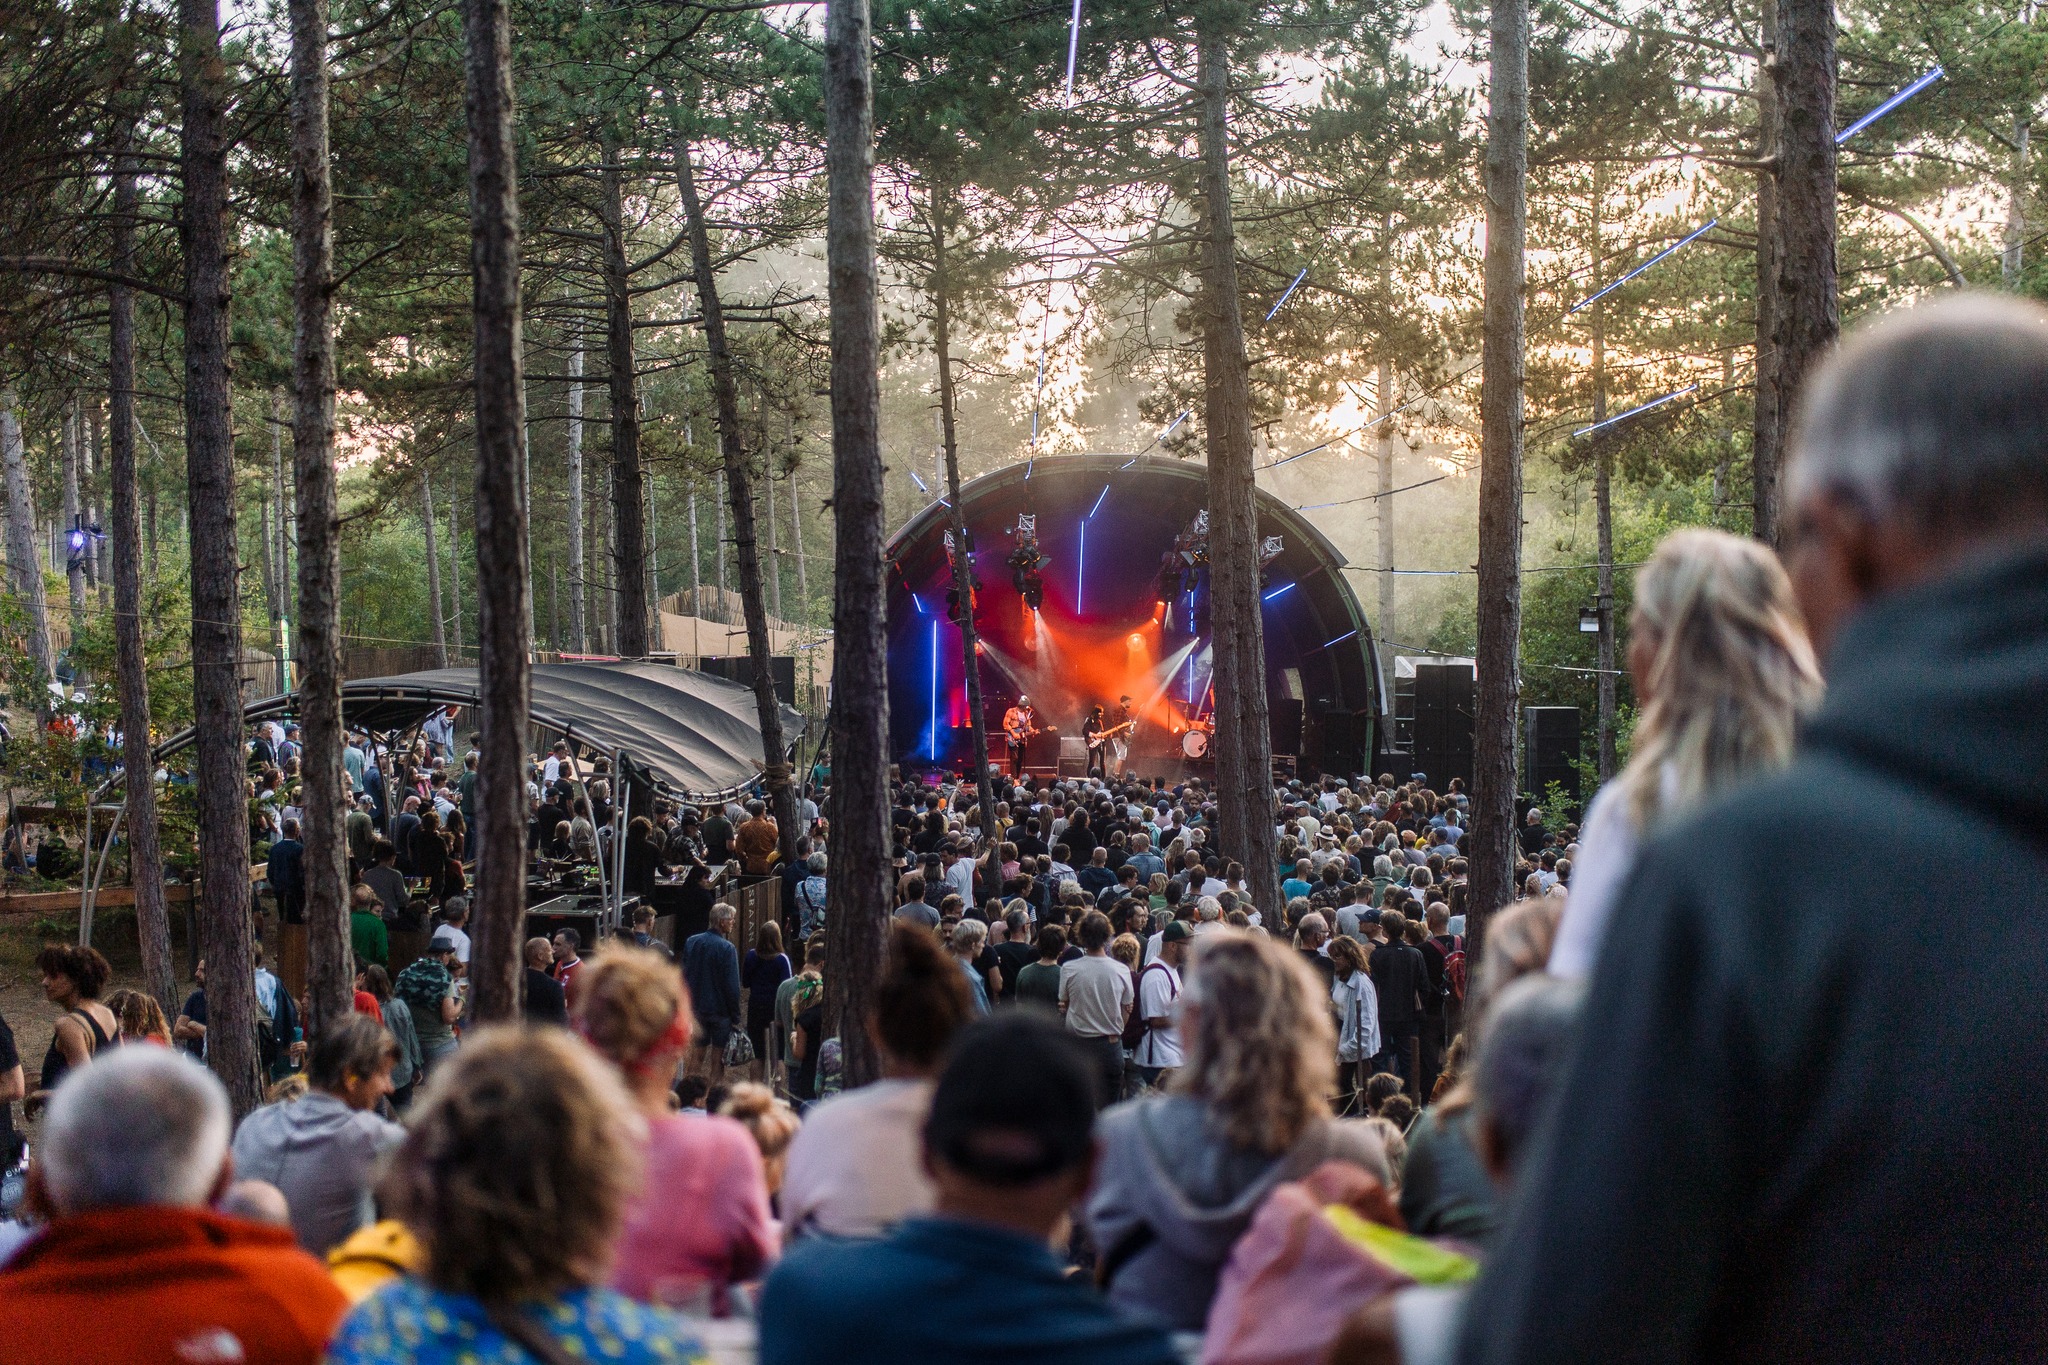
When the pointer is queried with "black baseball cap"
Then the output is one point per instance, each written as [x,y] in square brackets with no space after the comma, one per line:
[1015,1103]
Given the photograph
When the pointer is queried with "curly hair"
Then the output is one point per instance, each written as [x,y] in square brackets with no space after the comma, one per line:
[1259,1043]
[518,1165]
[140,1015]
[627,1000]
[86,968]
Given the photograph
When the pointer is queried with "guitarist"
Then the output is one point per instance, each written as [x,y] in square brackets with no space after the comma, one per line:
[1126,721]
[1020,723]
[1098,747]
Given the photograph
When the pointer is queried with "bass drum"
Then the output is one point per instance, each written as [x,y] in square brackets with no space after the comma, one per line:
[1195,744]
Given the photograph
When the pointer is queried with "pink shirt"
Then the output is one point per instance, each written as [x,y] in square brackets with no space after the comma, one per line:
[701,1217]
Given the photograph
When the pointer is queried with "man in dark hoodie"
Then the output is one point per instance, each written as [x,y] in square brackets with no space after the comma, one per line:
[1729,1172]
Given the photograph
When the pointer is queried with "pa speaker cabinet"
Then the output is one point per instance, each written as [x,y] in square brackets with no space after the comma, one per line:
[1550,749]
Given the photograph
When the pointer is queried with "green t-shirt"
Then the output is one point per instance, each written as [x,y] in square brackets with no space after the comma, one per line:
[366,934]
[1040,984]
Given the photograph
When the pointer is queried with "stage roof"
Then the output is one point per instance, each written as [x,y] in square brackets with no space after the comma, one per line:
[696,733]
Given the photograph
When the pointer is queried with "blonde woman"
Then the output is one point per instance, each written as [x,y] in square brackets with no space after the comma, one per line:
[1723,670]
[1183,1173]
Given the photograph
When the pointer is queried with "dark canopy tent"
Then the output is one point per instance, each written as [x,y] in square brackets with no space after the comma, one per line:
[696,734]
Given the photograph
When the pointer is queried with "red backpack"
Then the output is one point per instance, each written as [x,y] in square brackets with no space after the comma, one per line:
[1453,946]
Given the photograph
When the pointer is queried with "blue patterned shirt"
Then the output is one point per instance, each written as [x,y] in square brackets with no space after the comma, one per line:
[408,1322]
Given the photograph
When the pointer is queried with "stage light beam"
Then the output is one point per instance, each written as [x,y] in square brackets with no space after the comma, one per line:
[1894,102]
[1290,288]
[1283,588]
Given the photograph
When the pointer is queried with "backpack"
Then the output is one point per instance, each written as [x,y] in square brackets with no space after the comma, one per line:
[1135,1028]
[1454,967]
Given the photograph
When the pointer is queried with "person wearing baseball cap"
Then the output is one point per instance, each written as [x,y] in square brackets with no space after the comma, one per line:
[1008,1143]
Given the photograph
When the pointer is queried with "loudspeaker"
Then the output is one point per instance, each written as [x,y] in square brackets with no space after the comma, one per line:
[1283,724]
[1446,698]
[1550,749]
[1073,756]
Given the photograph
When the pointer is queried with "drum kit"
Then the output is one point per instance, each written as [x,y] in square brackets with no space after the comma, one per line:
[1194,741]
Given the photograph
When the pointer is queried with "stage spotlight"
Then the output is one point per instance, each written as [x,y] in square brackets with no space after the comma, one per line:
[1158,611]
[1135,641]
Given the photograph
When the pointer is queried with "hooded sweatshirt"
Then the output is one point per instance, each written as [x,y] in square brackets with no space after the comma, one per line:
[324,1156]
[1803,1114]
[1172,1196]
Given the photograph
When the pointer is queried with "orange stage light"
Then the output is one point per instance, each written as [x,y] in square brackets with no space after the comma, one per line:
[1136,641]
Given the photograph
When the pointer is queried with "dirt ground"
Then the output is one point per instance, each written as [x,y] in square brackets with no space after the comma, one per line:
[21,990]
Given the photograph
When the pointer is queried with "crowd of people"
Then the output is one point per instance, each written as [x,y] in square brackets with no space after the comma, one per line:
[1650,1108]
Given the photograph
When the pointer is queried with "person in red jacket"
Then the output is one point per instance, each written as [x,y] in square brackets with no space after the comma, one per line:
[134,1265]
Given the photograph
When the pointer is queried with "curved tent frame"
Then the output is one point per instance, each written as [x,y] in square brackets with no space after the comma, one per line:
[690,734]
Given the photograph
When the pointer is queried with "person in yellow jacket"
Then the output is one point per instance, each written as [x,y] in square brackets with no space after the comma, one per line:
[374,1256]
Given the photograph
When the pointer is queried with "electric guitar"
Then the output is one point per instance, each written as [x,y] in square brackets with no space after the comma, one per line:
[1019,731]
[1102,737]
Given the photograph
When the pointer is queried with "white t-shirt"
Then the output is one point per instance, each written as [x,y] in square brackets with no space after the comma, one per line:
[461,938]
[1097,992]
[1158,984]
[855,1168]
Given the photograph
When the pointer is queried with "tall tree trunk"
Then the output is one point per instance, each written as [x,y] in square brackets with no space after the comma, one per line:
[216,592]
[1808,319]
[796,535]
[1603,501]
[579,611]
[963,561]
[629,555]
[98,567]
[427,523]
[288,520]
[145,850]
[1503,354]
[859,890]
[1724,465]
[774,551]
[1383,514]
[503,575]
[455,575]
[609,567]
[725,395]
[1768,416]
[653,563]
[77,546]
[724,608]
[273,543]
[24,558]
[696,575]
[330,985]
[2013,259]
[1244,756]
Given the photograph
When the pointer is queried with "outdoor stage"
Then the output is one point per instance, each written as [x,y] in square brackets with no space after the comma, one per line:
[1121,606]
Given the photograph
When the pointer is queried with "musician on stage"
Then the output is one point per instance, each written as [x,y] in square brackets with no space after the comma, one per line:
[1125,720]
[1098,750]
[1020,722]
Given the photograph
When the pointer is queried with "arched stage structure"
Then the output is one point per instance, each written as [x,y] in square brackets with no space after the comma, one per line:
[1115,600]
